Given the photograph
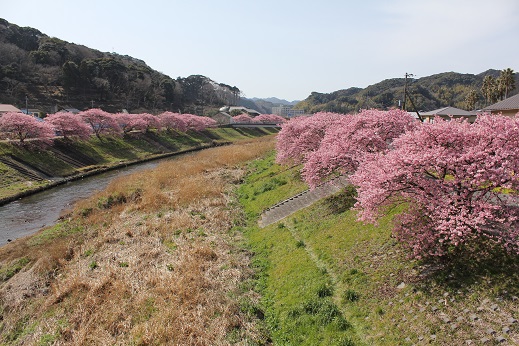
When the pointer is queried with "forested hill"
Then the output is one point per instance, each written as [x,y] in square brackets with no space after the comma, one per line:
[428,93]
[55,73]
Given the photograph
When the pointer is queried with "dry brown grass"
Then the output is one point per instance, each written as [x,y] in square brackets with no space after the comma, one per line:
[156,262]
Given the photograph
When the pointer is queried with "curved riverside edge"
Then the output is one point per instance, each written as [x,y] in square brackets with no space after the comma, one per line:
[52,184]
[302,200]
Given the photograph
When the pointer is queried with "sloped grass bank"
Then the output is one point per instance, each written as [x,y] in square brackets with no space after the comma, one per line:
[327,279]
[69,159]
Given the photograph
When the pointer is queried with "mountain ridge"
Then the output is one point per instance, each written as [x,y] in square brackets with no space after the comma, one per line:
[49,73]
[428,93]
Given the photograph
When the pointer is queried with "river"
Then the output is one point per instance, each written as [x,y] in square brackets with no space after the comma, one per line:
[29,214]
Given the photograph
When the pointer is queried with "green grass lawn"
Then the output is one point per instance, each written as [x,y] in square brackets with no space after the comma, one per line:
[328,279]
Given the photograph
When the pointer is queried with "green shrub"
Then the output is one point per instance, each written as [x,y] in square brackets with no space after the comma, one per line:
[351,296]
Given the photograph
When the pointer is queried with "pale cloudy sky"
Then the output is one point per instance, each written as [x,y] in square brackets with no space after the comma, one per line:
[288,48]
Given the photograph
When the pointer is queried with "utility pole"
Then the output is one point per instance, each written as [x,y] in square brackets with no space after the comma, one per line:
[410,99]
[405,89]
[26,105]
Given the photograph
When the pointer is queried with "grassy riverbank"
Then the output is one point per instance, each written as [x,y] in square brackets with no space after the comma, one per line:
[327,279]
[66,159]
[152,260]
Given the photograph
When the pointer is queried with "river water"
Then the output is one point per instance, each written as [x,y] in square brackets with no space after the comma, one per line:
[29,214]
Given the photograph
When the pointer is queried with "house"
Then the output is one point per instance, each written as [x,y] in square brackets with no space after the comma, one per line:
[448,113]
[508,107]
[33,111]
[222,118]
[8,108]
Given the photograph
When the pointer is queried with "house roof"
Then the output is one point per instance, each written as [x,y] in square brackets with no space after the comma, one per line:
[248,110]
[449,111]
[8,108]
[509,103]
[70,110]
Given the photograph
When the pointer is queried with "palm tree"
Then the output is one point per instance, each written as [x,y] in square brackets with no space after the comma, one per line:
[506,82]
[471,100]
[488,89]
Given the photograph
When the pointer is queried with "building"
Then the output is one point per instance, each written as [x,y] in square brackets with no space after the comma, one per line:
[448,113]
[4,108]
[33,111]
[222,118]
[508,107]
[287,111]
[230,109]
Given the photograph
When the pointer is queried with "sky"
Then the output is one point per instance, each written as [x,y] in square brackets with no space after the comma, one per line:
[288,48]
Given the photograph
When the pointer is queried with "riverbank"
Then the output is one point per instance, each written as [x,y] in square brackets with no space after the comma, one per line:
[151,260]
[29,169]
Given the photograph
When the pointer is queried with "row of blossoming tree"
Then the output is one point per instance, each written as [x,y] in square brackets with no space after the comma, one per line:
[260,119]
[457,180]
[19,126]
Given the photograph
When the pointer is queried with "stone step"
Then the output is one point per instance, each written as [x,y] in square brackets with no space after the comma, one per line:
[301,201]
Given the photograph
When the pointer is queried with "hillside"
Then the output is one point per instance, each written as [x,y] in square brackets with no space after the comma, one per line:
[428,93]
[264,106]
[53,73]
[275,100]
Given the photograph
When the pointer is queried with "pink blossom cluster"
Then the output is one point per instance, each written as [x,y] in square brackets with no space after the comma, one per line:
[19,126]
[302,135]
[455,179]
[260,119]
[269,119]
[329,143]
[243,118]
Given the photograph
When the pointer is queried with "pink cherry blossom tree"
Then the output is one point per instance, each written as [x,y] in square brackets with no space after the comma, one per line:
[453,177]
[243,118]
[301,135]
[269,119]
[172,121]
[69,125]
[353,139]
[208,122]
[197,123]
[151,121]
[100,121]
[19,126]
[125,121]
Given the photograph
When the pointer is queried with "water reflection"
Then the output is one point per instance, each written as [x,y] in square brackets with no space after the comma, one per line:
[30,214]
